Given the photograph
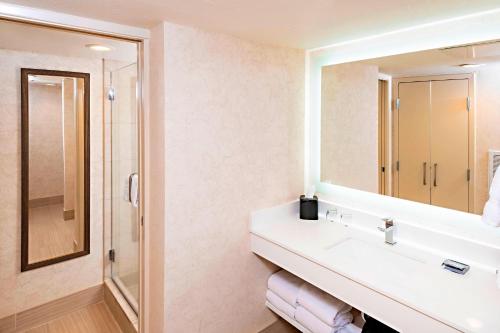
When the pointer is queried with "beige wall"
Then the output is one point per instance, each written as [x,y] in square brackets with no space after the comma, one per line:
[487,132]
[349,126]
[69,120]
[233,118]
[46,141]
[155,184]
[20,291]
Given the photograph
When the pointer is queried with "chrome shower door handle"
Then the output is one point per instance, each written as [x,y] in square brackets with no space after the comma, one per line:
[425,173]
[435,174]
[133,189]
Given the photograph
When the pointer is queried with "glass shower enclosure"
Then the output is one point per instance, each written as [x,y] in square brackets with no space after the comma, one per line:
[124,167]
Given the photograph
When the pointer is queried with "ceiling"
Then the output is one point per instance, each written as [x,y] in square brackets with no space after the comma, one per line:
[294,23]
[30,38]
[439,61]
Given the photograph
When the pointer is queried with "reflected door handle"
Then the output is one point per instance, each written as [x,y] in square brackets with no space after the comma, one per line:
[435,174]
[425,173]
[133,189]
[130,180]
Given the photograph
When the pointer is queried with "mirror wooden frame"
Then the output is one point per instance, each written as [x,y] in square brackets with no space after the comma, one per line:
[25,72]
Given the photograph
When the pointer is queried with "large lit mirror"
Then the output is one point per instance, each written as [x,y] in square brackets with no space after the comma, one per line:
[421,126]
[55,166]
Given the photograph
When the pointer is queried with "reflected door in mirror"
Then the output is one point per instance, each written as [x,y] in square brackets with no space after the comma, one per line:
[432,142]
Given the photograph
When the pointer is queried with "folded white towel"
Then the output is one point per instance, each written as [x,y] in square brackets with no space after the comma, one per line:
[495,186]
[315,325]
[350,328]
[491,213]
[286,286]
[322,305]
[280,304]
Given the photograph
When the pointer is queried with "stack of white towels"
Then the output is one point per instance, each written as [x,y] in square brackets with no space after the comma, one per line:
[491,213]
[311,307]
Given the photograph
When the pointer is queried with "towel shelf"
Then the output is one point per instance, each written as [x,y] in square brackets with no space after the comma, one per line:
[292,321]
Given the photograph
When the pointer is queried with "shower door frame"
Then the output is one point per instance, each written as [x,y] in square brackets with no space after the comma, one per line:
[72,23]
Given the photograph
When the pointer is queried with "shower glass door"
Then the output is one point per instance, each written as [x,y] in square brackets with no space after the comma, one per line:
[122,96]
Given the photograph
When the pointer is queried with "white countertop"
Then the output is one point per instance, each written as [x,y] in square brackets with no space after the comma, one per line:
[411,276]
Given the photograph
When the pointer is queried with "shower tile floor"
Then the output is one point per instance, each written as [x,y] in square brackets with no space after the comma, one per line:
[131,281]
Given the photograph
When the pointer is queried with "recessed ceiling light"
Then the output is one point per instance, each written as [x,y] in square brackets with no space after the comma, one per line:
[470,65]
[98,47]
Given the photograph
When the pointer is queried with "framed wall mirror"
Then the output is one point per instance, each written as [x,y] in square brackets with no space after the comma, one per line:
[420,126]
[55,196]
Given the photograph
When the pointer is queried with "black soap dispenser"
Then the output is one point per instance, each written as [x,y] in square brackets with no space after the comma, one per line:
[309,206]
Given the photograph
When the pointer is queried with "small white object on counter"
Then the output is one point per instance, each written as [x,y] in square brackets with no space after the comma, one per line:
[495,186]
[491,212]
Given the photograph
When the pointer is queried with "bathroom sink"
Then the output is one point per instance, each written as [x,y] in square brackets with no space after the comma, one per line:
[375,264]
[358,245]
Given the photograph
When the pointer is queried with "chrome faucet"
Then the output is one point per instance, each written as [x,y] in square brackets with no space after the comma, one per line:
[389,230]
